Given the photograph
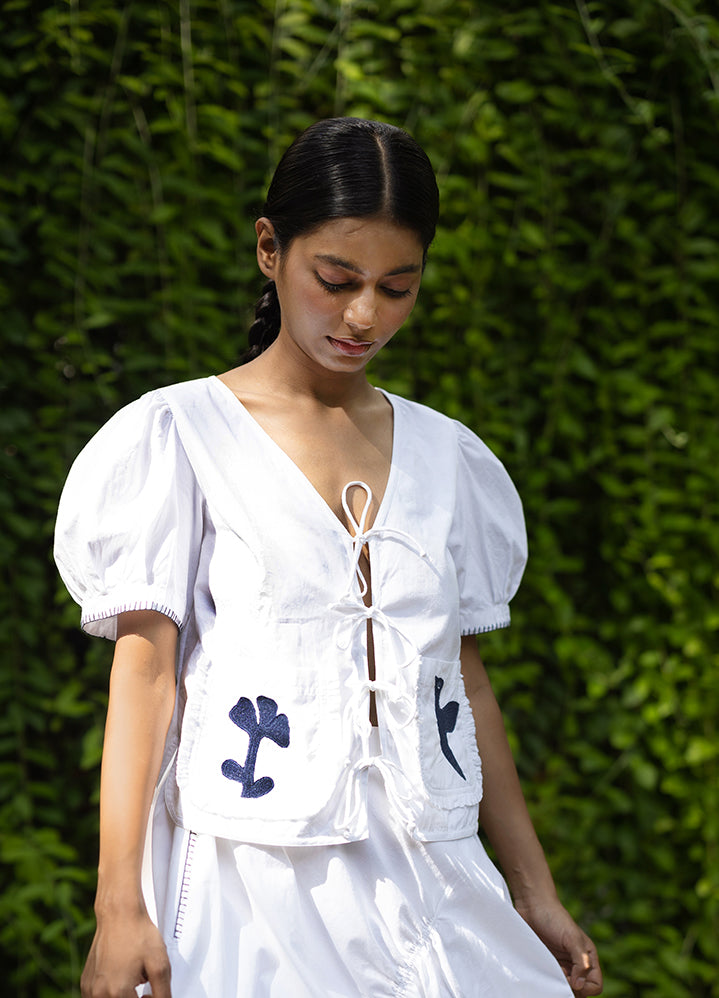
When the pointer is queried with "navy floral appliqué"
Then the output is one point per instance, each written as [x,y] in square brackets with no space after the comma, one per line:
[446,721]
[265,723]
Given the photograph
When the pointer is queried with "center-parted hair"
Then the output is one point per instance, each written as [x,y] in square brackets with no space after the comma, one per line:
[344,168]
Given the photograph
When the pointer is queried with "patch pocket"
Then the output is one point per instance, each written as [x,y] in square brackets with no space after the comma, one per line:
[449,759]
[269,748]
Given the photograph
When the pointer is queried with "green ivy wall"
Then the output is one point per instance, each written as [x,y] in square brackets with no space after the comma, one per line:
[569,315]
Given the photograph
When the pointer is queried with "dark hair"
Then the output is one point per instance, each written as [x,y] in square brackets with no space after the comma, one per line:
[344,168]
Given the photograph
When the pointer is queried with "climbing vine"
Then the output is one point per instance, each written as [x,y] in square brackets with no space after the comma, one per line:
[568,314]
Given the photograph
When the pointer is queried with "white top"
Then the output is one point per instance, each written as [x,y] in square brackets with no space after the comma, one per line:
[183,504]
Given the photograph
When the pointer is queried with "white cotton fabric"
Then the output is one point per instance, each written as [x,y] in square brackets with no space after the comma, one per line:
[129,525]
[343,861]
[183,504]
[387,917]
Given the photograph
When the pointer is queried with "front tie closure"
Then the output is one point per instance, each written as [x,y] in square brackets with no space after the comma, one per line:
[354,615]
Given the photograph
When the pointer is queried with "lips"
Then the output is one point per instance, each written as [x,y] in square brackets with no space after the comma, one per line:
[350,348]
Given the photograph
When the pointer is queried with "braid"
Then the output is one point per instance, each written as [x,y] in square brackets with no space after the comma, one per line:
[267,322]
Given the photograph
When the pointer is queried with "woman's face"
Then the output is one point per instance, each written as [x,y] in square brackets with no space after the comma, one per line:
[344,289]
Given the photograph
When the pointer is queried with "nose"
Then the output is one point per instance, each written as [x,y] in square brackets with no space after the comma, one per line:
[361,313]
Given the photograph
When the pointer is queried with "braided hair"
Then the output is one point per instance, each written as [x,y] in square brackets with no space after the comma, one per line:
[344,168]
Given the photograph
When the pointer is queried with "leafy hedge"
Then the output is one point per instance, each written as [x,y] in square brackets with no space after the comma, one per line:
[569,315]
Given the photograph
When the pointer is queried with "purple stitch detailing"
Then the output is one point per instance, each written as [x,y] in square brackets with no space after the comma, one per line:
[185,886]
[113,611]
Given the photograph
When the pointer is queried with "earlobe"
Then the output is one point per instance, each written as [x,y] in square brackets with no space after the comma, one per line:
[267,252]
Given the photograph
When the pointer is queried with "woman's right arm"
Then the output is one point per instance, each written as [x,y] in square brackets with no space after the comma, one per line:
[128,949]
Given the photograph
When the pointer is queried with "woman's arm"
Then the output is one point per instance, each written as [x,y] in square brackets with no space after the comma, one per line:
[127,949]
[505,819]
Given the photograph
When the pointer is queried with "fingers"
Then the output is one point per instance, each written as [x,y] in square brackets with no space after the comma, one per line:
[586,976]
[588,990]
[116,982]
[159,978]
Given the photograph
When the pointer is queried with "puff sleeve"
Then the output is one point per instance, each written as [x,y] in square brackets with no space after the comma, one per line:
[487,541]
[129,523]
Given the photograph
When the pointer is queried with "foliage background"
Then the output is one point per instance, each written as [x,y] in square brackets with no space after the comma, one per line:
[569,315]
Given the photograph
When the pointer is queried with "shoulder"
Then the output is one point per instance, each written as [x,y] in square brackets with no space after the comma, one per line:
[184,393]
[421,417]
[474,451]
[436,427]
[457,452]
[142,434]
[155,410]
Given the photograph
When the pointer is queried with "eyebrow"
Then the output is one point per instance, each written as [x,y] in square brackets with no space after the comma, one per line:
[410,268]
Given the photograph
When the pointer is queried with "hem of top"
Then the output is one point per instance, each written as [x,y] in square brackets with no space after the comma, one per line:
[497,625]
[245,837]
[274,841]
[234,830]
[113,611]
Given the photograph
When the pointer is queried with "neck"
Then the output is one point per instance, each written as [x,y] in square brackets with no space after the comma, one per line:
[286,371]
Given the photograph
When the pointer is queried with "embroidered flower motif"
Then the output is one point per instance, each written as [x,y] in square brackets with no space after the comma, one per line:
[446,721]
[265,723]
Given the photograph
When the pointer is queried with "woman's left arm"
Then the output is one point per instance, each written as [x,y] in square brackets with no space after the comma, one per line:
[505,819]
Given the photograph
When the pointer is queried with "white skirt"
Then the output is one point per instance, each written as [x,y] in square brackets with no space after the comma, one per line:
[387,917]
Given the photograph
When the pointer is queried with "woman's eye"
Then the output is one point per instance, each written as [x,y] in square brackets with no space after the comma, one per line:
[337,288]
[329,286]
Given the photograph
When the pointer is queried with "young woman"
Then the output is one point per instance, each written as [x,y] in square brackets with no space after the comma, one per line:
[294,566]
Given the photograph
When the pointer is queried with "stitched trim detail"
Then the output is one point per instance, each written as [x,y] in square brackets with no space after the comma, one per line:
[90,618]
[185,886]
[405,973]
[497,626]
[405,977]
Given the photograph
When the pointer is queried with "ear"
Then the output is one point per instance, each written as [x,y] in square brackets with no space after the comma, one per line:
[268,256]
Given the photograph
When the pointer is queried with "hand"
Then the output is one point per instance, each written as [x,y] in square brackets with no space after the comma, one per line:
[571,946]
[127,950]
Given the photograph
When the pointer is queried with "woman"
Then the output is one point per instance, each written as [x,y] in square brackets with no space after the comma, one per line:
[312,558]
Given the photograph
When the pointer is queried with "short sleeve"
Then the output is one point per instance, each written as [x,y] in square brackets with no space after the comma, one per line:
[488,540]
[129,523]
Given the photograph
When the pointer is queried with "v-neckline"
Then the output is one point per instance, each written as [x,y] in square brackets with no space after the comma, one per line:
[263,434]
